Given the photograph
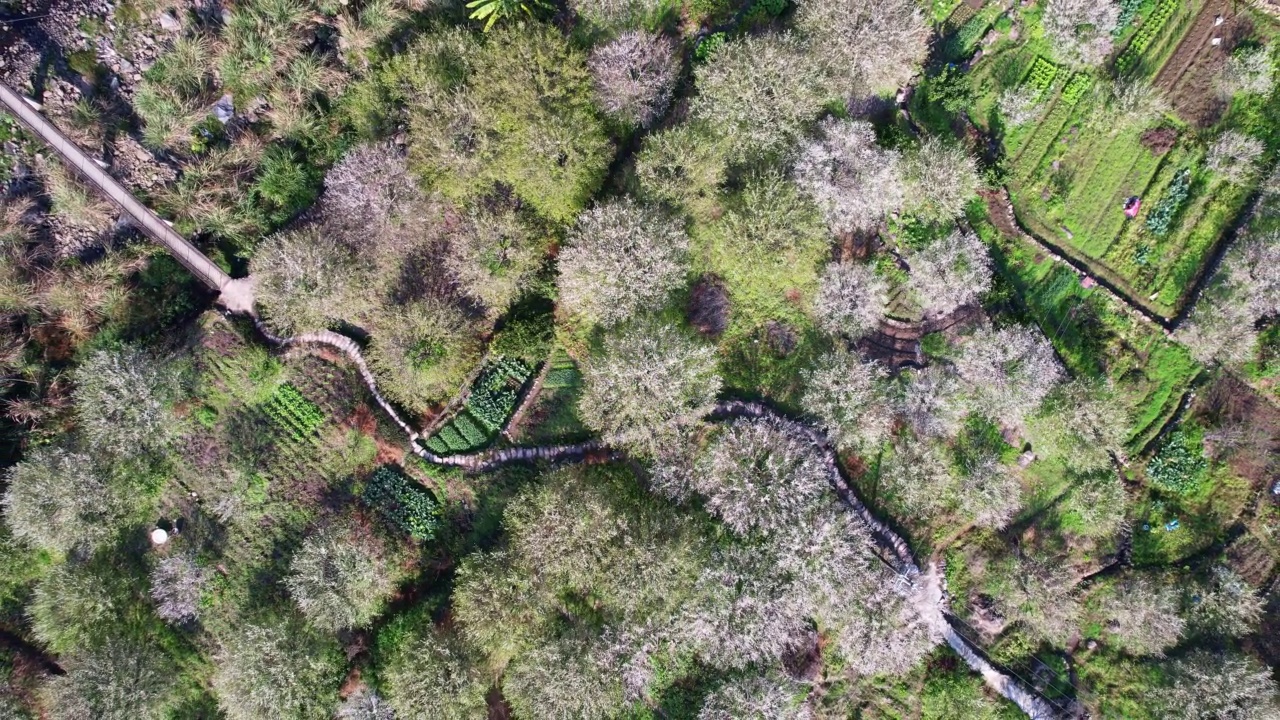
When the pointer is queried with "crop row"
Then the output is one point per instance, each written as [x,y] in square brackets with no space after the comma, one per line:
[1151,27]
[1042,74]
[1043,138]
[1160,219]
[293,413]
[402,502]
[1076,87]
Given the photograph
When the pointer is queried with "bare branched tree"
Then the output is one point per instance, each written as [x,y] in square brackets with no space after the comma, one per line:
[1226,605]
[634,76]
[1235,156]
[949,273]
[851,300]
[176,584]
[622,258]
[855,181]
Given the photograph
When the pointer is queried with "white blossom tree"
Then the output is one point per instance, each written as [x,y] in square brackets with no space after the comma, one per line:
[989,492]
[1250,71]
[768,696]
[308,278]
[941,178]
[1141,615]
[855,181]
[848,398]
[1019,105]
[634,76]
[1127,103]
[369,186]
[645,378]
[1226,605]
[758,476]
[851,300]
[932,403]
[758,92]
[1010,371]
[1234,156]
[865,47]
[1082,29]
[919,477]
[622,258]
[1207,684]
[949,273]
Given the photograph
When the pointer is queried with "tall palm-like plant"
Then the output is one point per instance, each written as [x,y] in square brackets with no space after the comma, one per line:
[495,9]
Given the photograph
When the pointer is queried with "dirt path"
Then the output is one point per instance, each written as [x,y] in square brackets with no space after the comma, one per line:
[236,296]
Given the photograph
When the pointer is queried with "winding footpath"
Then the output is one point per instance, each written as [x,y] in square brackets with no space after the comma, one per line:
[237,297]
[930,597]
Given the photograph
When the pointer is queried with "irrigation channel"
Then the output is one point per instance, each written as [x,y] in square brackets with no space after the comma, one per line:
[237,297]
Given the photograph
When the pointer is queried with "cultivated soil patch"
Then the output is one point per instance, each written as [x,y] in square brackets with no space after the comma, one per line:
[1189,79]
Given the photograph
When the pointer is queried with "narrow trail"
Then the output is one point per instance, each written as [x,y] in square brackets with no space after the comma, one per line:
[238,297]
[930,597]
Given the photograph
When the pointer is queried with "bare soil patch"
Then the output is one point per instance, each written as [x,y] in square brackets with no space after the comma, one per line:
[1189,79]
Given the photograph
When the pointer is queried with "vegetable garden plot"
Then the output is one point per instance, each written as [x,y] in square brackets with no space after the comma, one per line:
[492,400]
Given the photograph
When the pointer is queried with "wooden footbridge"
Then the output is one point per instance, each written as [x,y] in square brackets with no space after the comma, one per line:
[234,295]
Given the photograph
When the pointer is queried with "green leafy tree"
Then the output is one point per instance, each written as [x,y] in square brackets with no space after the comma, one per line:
[517,110]
[124,399]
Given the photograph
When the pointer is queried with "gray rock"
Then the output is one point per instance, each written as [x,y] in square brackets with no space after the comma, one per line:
[224,109]
[169,22]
